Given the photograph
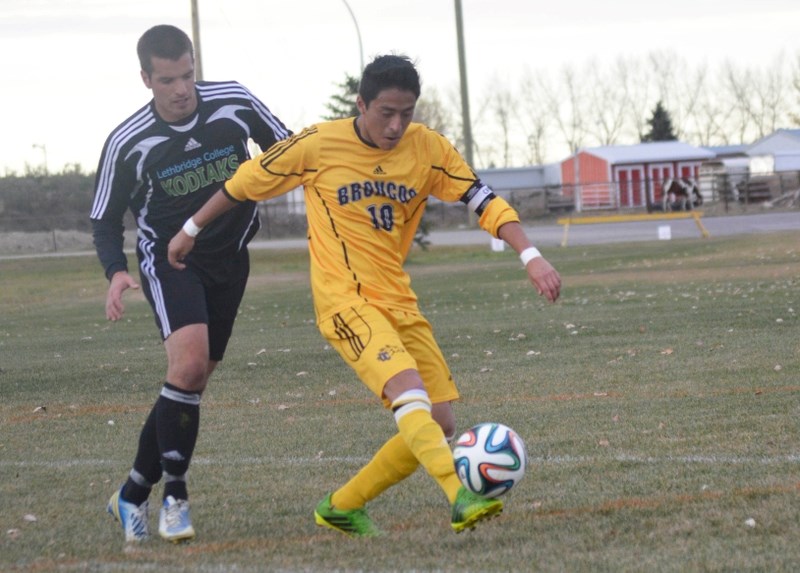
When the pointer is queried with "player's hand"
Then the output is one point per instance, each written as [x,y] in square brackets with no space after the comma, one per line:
[120,282]
[545,278]
[180,246]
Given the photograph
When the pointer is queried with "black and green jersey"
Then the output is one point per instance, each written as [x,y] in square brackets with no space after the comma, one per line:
[164,172]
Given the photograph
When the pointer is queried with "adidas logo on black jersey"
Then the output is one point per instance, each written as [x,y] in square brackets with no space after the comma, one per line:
[379,171]
[191,144]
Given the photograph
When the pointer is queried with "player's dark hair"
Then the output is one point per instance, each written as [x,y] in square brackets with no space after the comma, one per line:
[162,41]
[386,72]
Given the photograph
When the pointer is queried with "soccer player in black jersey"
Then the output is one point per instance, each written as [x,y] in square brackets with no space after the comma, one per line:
[162,164]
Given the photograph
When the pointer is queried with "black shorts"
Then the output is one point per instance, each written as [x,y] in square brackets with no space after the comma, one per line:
[194,296]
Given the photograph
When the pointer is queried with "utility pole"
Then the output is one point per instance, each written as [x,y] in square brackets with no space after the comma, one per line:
[358,33]
[198,60]
[462,68]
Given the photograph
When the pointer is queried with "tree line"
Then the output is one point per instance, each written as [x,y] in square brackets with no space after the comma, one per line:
[43,202]
[544,118]
[549,115]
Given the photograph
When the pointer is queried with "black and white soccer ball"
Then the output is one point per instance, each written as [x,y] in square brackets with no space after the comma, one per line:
[490,459]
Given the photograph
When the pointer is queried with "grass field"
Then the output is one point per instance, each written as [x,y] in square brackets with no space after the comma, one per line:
[659,401]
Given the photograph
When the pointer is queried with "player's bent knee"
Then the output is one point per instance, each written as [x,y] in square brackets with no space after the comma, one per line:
[190,375]
[410,401]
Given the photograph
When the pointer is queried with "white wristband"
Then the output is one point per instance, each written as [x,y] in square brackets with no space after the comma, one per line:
[528,255]
[190,228]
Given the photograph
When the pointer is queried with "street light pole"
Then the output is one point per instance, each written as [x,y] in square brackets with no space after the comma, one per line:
[198,60]
[358,33]
[462,68]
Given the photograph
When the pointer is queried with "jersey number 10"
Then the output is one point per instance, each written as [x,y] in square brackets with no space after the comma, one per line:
[382,217]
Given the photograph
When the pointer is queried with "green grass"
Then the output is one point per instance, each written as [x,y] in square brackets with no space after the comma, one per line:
[658,401]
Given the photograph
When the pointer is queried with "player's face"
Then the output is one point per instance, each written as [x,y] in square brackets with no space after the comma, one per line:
[172,82]
[386,119]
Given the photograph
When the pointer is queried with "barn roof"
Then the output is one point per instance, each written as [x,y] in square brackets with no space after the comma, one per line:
[725,151]
[650,152]
[512,178]
[776,142]
[795,133]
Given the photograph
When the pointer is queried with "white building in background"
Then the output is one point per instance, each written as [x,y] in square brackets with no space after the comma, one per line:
[775,153]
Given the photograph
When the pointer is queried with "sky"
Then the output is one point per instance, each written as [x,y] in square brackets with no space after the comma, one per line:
[70,71]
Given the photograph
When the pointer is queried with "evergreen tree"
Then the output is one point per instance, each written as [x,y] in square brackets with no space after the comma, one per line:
[660,126]
[343,104]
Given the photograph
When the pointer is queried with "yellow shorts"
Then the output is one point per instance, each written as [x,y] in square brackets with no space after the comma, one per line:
[378,343]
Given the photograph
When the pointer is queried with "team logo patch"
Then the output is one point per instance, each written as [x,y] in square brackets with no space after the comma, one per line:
[385,354]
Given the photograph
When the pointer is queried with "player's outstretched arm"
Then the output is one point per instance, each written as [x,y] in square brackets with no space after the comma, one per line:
[183,242]
[540,272]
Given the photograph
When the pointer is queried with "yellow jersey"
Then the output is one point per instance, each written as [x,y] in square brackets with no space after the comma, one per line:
[364,205]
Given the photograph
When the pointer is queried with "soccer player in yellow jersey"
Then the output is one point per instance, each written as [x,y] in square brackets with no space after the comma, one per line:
[367,180]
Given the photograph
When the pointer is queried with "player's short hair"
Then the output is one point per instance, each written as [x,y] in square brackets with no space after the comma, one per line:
[162,41]
[389,71]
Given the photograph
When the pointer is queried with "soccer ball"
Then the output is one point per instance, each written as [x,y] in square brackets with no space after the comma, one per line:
[490,459]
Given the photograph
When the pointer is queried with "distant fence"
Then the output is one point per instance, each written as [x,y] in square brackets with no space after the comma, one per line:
[51,213]
[655,195]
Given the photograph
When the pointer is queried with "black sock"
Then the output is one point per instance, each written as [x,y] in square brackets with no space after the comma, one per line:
[177,423]
[147,465]
[135,493]
[176,488]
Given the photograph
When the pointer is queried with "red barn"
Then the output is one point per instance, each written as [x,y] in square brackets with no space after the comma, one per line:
[628,176]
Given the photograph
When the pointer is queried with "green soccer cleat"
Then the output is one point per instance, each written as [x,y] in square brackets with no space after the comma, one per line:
[470,508]
[351,522]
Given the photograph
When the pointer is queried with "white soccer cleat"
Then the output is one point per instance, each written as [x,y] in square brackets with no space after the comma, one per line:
[132,517]
[174,523]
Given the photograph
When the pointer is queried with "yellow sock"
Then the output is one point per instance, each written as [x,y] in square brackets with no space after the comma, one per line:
[426,440]
[390,465]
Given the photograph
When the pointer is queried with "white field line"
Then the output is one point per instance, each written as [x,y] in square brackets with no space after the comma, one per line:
[160,567]
[357,460]
[129,566]
[654,460]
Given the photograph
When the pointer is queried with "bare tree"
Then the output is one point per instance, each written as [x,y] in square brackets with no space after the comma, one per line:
[575,106]
[496,134]
[502,105]
[640,92]
[760,96]
[794,115]
[451,101]
[771,92]
[678,87]
[533,117]
[609,98]
[482,137]
[566,103]
[736,83]
[712,115]
[432,111]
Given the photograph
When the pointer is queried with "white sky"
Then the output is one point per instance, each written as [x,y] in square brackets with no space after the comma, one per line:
[70,72]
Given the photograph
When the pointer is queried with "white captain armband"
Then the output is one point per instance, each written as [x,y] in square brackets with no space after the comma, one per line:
[190,228]
[477,197]
[528,255]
